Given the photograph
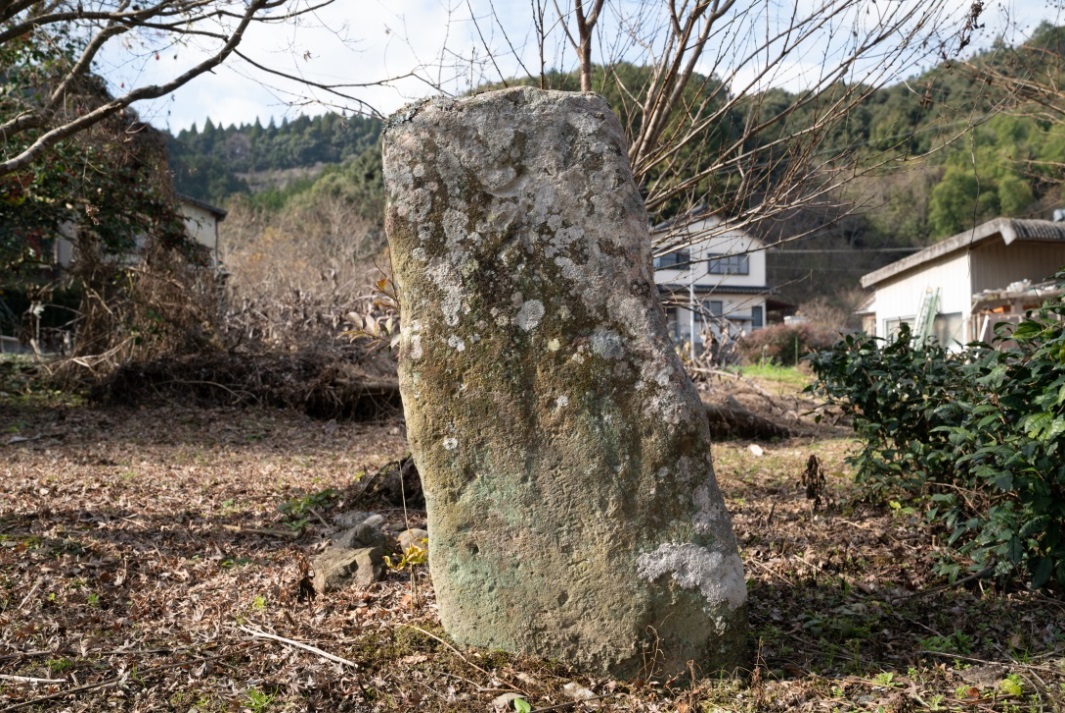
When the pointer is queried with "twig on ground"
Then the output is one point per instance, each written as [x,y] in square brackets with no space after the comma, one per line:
[16,440]
[33,590]
[109,682]
[306,647]
[1012,662]
[461,657]
[320,518]
[30,679]
[950,585]
[570,704]
[287,534]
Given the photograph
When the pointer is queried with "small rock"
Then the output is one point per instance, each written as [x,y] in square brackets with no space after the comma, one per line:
[351,518]
[756,450]
[364,535]
[982,675]
[339,567]
[504,701]
[413,536]
[577,691]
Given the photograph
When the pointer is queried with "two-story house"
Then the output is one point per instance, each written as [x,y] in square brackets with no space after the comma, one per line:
[711,280]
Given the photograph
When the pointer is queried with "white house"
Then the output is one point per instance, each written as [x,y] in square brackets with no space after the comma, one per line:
[943,290]
[201,224]
[710,279]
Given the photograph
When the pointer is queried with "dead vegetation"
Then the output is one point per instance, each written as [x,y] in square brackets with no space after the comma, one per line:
[150,559]
[317,382]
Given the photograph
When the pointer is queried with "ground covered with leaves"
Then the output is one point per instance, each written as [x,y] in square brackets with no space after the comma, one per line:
[150,560]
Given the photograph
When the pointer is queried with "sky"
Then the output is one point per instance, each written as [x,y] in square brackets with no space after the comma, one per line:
[368,41]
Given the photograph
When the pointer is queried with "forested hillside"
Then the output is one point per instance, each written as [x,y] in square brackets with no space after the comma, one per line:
[925,158]
[214,163]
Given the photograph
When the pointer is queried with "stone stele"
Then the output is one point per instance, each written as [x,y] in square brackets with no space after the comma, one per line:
[564,453]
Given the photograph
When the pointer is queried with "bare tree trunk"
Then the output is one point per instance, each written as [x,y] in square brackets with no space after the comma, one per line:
[583,42]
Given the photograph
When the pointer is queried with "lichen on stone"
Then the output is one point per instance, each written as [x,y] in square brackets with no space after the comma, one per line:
[719,577]
[559,441]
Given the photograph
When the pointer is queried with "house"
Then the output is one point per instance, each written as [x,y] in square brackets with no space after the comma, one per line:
[201,224]
[954,289]
[711,279]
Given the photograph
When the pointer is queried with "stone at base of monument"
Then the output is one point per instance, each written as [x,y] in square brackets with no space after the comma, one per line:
[413,537]
[339,567]
[564,453]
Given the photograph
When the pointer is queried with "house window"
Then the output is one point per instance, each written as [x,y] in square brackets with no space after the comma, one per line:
[729,264]
[947,329]
[892,327]
[714,308]
[757,320]
[677,260]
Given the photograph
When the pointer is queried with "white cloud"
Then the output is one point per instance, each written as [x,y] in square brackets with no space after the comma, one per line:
[363,41]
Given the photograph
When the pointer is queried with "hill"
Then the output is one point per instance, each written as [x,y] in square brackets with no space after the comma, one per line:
[926,157]
[214,163]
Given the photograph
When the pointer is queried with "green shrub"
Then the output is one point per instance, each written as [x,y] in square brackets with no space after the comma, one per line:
[786,344]
[970,438]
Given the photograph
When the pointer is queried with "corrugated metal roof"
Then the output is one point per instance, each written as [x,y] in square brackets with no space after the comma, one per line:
[1037,229]
[219,213]
[1008,229]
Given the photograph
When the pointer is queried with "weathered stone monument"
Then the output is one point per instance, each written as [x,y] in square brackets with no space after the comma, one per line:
[565,457]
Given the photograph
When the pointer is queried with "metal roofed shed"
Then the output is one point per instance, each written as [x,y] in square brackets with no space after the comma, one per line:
[990,257]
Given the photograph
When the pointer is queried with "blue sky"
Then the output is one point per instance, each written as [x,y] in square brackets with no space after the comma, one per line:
[363,41]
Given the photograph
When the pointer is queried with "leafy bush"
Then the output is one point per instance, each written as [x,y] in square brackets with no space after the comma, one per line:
[786,344]
[972,438]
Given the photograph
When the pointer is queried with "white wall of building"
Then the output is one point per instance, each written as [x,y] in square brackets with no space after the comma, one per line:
[728,249]
[713,272]
[202,226]
[900,299]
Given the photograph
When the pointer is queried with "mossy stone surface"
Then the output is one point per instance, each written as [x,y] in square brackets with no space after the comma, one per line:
[565,457]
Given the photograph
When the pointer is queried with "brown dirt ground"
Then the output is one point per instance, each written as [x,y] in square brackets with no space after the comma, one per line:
[140,548]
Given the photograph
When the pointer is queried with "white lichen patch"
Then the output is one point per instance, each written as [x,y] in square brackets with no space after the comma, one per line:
[585,123]
[455,231]
[709,511]
[553,345]
[718,577]
[444,276]
[420,204]
[561,402]
[451,444]
[570,271]
[411,334]
[529,315]
[456,343]
[608,344]
[416,351]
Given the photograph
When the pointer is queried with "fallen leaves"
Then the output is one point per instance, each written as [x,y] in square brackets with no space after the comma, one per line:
[145,565]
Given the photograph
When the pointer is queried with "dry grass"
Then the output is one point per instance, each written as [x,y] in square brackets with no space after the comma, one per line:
[131,572]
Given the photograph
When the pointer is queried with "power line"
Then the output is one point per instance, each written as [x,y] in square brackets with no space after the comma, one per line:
[849,251]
